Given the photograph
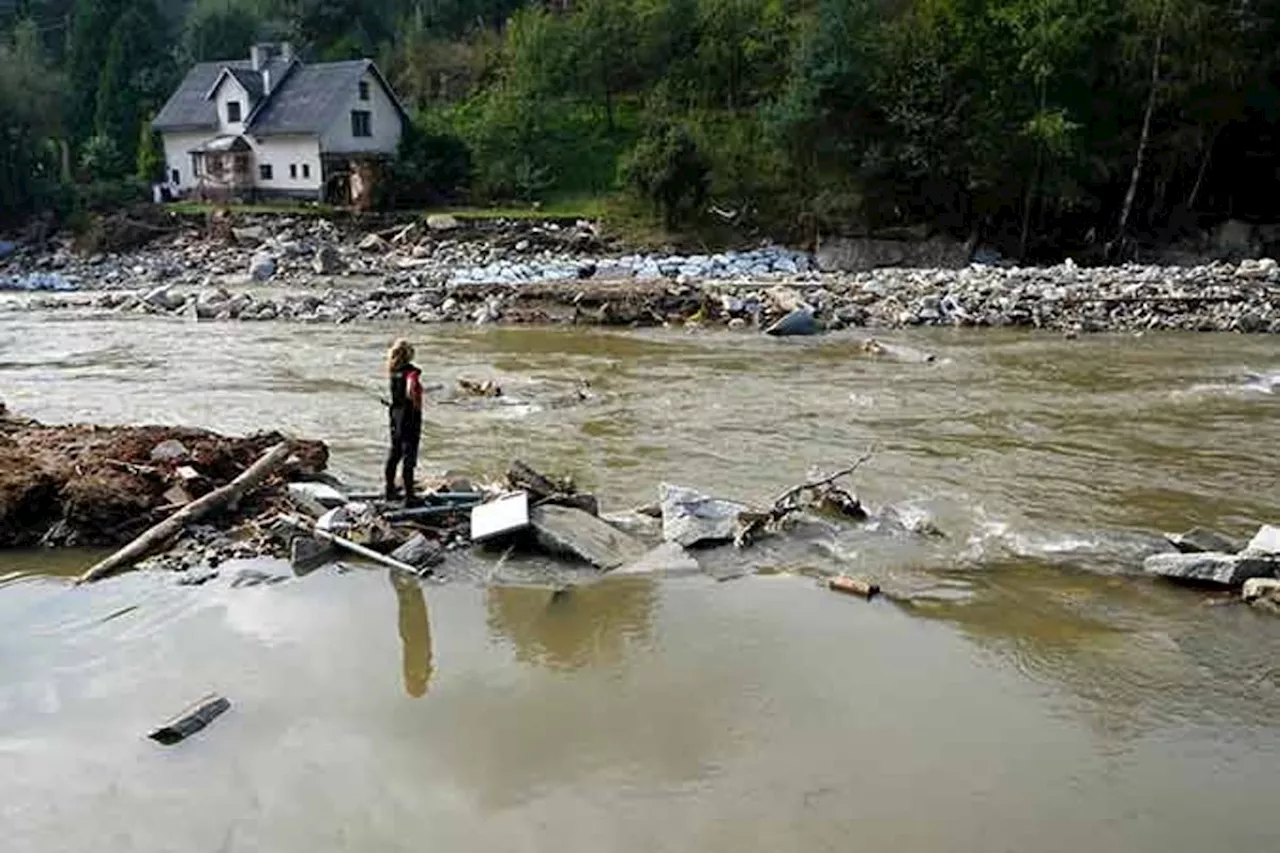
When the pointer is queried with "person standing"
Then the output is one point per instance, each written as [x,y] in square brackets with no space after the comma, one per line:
[406,418]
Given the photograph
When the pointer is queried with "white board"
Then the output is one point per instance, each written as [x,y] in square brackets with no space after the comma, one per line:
[501,516]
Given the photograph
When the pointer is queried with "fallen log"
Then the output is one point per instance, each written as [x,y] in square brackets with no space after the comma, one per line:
[215,501]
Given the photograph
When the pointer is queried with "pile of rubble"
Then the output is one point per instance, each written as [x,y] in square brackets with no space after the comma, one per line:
[311,271]
[84,485]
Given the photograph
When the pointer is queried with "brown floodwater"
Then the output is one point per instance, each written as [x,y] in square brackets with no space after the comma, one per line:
[1029,691]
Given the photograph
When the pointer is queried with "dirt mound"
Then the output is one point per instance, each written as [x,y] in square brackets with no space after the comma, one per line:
[89,485]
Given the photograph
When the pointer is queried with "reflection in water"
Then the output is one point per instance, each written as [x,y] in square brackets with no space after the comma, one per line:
[1133,652]
[415,632]
[576,627]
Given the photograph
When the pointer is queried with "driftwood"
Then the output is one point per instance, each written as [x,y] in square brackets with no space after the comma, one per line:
[367,553]
[789,501]
[215,501]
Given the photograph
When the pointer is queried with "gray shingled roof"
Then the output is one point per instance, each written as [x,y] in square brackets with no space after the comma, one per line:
[309,100]
[188,108]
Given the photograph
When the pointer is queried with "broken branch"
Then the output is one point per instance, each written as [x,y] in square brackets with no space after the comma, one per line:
[215,501]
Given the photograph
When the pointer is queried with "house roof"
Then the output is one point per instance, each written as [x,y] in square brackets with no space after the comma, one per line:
[189,107]
[307,99]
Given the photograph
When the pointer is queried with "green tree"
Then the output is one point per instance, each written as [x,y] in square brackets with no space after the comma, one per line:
[220,29]
[667,170]
[30,96]
[150,159]
[135,77]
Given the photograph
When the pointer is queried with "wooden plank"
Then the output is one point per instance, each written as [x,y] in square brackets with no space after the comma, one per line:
[565,530]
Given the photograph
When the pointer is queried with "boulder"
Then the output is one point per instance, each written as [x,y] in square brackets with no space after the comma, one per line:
[418,552]
[799,322]
[1212,567]
[1259,589]
[1198,540]
[162,297]
[170,450]
[250,236]
[441,222]
[690,518]
[262,267]
[326,260]
[569,531]
[1266,542]
[373,243]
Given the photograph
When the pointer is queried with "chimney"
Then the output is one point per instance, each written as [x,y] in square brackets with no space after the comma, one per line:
[286,51]
[258,56]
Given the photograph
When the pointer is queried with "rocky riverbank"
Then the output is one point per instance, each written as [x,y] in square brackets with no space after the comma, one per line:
[440,270]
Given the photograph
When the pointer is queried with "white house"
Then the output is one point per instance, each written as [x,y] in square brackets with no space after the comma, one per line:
[273,126]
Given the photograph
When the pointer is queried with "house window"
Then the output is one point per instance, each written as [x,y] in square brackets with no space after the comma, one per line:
[264,171]
[176,178]
[306,170]
[364,90]
[293,170]
[361,123]
[233,112]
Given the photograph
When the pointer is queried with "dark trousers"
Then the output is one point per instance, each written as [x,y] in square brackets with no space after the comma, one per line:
[406,431]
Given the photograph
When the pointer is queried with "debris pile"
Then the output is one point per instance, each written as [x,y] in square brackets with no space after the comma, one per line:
[84,485]
[441,270]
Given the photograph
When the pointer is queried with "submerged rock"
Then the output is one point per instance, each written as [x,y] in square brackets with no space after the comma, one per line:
[1199,540]
[1263,591]
[1210,567]
[799,322]
[690,518]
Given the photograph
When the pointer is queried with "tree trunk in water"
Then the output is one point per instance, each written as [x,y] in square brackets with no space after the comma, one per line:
[215,501]
[1146,125]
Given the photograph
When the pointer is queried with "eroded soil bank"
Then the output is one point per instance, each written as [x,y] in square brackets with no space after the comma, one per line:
[87,485]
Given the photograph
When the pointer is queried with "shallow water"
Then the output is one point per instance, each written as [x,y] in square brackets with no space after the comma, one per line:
[1029,693]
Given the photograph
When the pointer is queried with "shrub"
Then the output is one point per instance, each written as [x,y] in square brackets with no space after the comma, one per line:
[667,170]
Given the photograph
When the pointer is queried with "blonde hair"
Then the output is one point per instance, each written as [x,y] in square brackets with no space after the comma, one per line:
[400,354]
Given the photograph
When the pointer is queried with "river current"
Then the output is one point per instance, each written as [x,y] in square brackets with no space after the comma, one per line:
[1029,690]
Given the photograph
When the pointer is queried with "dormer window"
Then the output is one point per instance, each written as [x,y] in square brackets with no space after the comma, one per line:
[233,112]
[364,90]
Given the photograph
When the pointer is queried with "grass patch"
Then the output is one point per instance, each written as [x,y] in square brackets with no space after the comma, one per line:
[199,208]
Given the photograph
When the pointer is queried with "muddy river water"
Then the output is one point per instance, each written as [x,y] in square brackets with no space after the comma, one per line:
[1031,692]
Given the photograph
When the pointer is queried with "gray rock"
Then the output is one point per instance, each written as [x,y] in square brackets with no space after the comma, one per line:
[799,322]
[418,552]
[1210,567]
[441,222]
[1266,542]
[170,450]
[1198,540]
[1256,589]
[690,518]
[262,267]
[326,260]
[570,531]
[161,297]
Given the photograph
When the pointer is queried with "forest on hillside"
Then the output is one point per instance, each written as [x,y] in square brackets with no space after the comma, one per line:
[1037,123]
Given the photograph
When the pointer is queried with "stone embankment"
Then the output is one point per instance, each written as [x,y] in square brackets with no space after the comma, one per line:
[521,272]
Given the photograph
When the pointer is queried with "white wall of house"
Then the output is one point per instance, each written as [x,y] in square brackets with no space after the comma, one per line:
[384,123]
[294,161]
[230,90]
[177,156]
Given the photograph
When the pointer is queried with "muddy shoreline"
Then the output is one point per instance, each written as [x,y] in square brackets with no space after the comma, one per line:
[316,271]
